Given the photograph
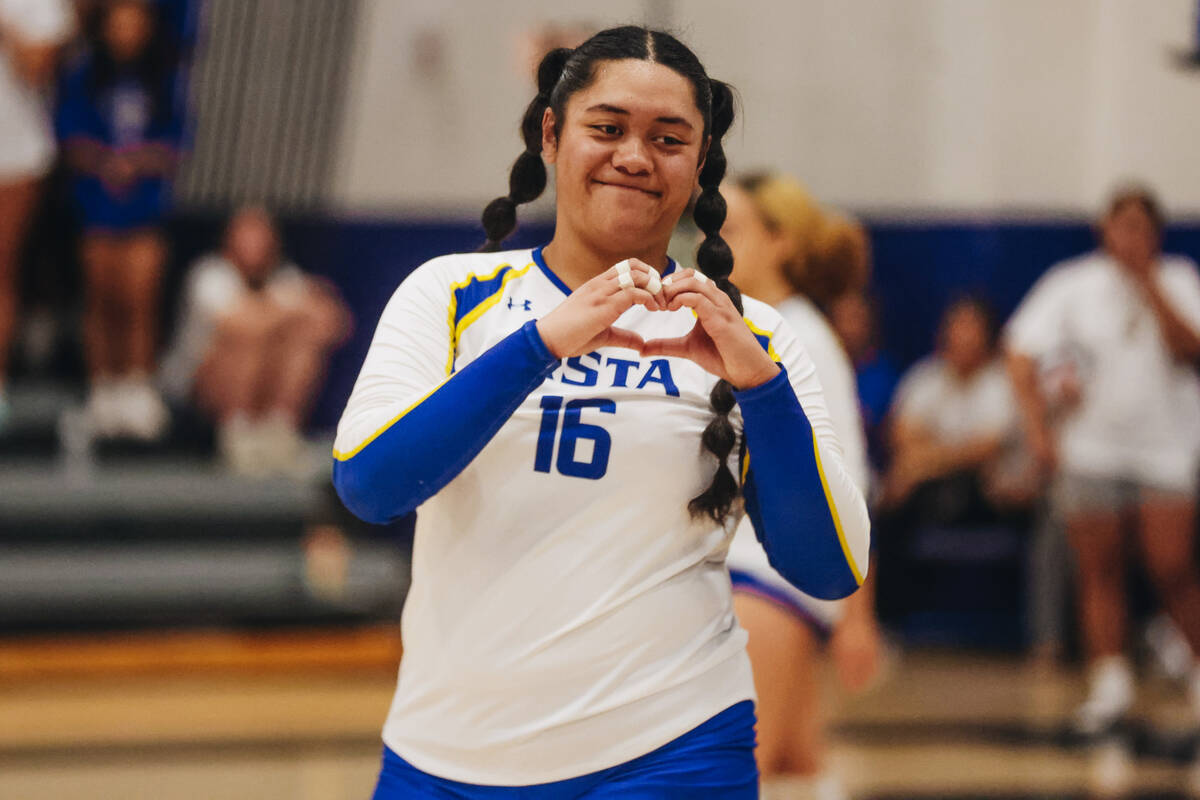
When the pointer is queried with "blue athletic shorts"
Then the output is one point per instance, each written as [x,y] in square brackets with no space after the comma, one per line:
[714,760]
[752,584]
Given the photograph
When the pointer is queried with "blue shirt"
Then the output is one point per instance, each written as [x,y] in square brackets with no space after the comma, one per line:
[121,118]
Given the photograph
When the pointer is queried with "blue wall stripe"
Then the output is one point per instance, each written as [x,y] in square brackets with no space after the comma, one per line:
[919,267]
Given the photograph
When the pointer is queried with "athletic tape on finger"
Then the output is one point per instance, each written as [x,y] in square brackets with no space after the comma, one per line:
[654,284]
[667,280]
[622,267]
[700,277]
[624,280]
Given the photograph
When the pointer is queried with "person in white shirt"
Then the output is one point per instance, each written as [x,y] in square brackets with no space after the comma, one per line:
[779,234]
[1127,319]
[31,32]
[581,426]
[254,337]
[953,417]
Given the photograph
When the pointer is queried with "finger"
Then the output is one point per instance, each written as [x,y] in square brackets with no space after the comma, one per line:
[644,276]
[654,280]
[638,284]
[692,281]
[620,337]
[636,295]
[700,303]
[677,346]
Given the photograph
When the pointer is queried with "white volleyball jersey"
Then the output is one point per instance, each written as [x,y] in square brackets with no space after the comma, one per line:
[840,389]
[566,614]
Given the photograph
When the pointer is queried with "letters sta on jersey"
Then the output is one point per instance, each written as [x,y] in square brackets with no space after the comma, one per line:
[583,448]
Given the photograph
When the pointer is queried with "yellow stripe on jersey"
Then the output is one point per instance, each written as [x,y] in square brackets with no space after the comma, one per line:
[761,335]
[457,326]
[347,455]
[456,330]
[837,521]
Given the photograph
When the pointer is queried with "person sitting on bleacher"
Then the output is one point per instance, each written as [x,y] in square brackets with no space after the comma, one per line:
[253,341]
[952,418]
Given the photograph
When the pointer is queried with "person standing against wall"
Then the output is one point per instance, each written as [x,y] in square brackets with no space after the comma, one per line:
[121,120]
[31,32]
[1128,451]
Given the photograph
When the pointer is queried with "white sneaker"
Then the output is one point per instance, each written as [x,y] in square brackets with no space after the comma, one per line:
[238,443]
[1110,695]
[828,786]
[285,448]
[1169,647]
[143,413]
[103,412]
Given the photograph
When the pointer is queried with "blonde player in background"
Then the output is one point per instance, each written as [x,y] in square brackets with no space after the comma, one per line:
[782,244]
[570,421]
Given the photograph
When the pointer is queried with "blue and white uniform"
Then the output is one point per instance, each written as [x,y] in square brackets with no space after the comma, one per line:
[748,565]
[567,614]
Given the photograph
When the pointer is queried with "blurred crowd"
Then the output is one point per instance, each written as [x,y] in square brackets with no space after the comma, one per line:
[1074,429]
[94,121]
[1075,422]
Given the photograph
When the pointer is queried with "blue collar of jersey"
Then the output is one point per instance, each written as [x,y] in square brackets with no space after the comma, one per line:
[541,262]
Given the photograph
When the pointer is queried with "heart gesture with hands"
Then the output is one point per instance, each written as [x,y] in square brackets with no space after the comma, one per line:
[720,342]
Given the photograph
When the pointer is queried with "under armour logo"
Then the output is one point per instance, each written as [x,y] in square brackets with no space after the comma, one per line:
[524,305]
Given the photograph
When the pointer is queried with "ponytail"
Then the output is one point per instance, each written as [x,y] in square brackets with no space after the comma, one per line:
[715,259]
[527,179]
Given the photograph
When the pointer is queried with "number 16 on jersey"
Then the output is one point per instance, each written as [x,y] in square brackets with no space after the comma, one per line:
[574,431]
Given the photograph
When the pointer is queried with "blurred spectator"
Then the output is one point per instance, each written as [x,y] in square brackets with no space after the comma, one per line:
[951,420]
[854,318]
[252,346]
[30,34]
[121,121]
[1124,323]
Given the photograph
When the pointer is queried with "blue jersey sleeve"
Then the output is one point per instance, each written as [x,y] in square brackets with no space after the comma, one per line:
[809,515]
[416,417]
[429,443]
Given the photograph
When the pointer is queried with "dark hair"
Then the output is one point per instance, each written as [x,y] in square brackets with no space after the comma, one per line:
[561,74]
[979,304]
[1139,195]
[155,68]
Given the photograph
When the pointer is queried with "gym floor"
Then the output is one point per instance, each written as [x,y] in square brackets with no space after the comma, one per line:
[297,715]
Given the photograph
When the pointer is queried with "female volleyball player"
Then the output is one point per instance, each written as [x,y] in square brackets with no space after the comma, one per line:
[581,425]
[782,242]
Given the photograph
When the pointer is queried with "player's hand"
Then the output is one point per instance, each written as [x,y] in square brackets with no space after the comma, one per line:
[855,647]
[720,342]
[584,321]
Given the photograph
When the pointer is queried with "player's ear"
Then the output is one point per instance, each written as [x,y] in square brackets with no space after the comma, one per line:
[549,137]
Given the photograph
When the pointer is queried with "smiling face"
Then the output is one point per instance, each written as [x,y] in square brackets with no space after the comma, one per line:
[626,156]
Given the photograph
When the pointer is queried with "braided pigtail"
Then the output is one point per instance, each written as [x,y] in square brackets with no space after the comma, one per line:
[715,259]
[527,179]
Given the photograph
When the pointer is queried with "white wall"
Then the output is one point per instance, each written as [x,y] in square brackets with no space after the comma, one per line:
[911,106]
